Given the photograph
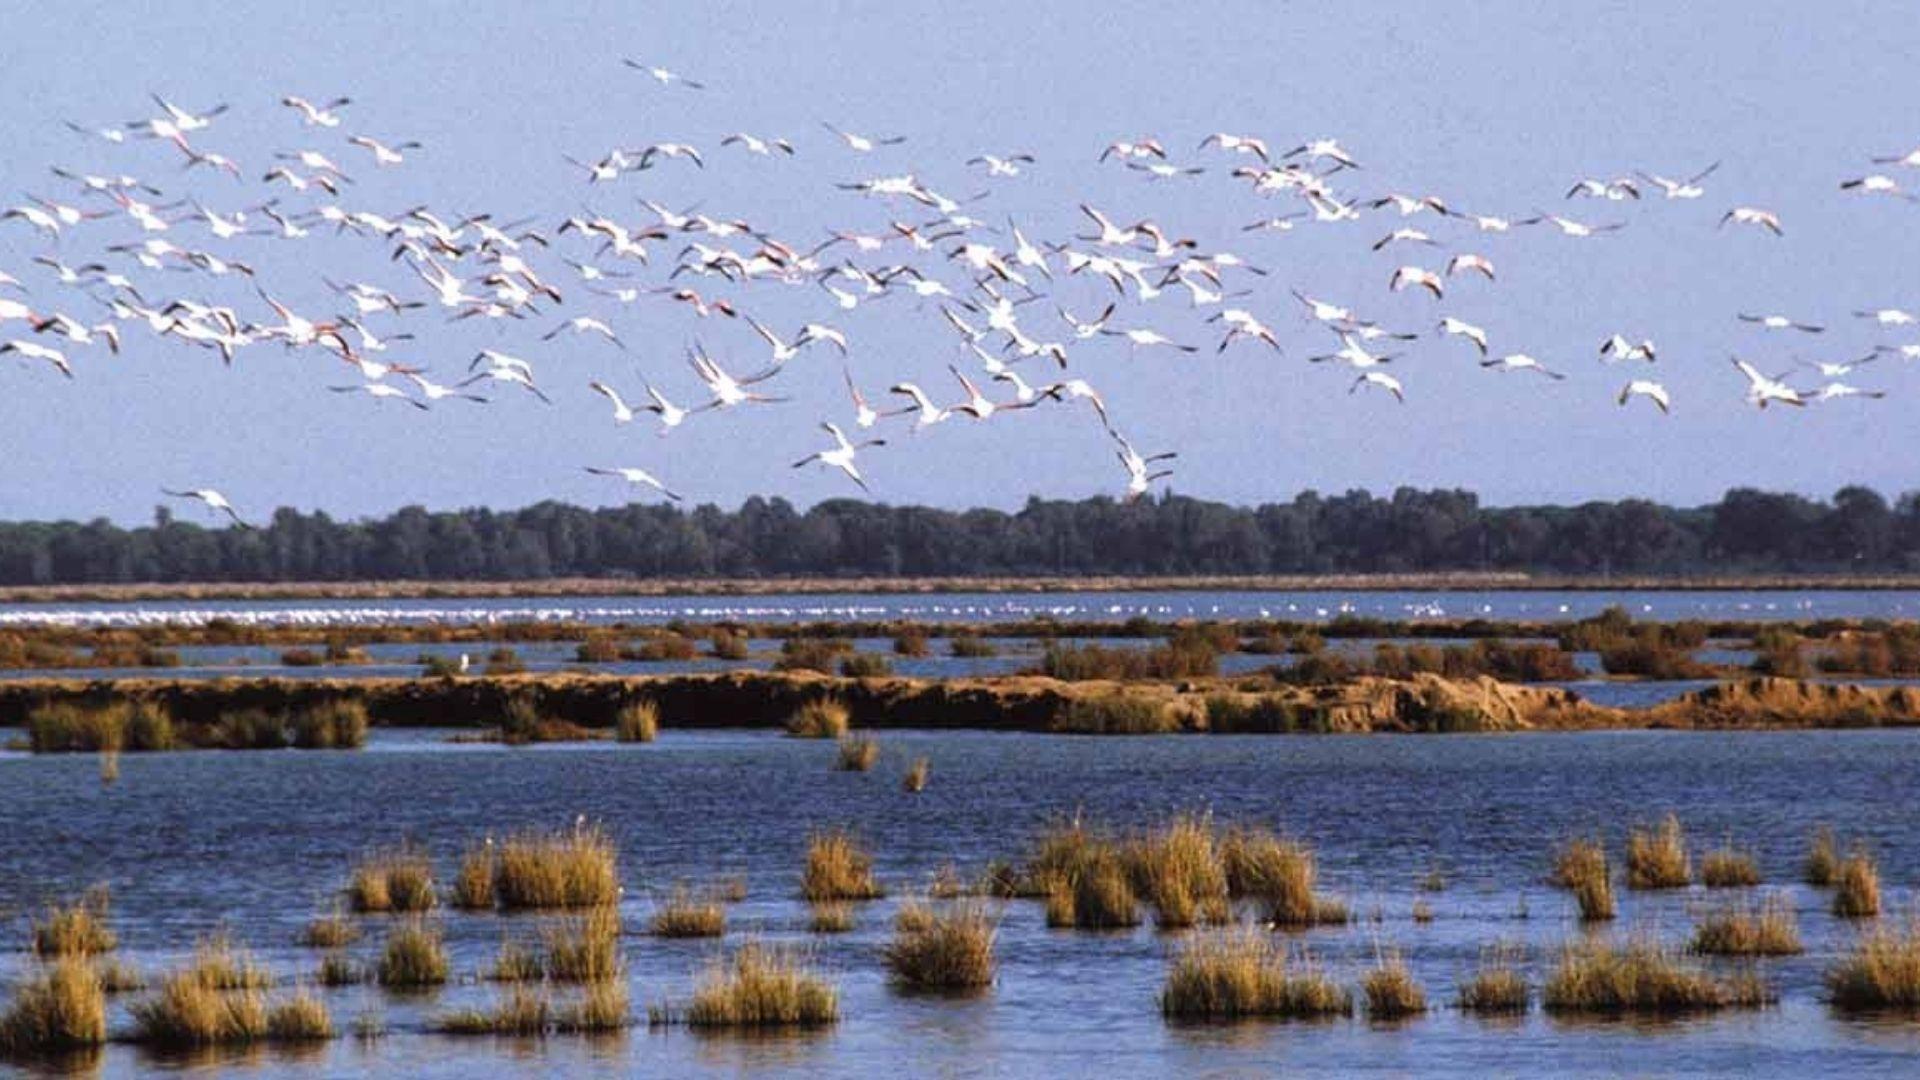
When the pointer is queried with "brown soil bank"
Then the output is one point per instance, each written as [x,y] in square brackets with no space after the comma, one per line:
[1424,703]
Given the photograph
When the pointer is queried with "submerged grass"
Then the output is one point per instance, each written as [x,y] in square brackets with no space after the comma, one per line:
[1242,974]
[330,931]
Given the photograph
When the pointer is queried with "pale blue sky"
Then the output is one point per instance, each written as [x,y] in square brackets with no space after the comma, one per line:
[1496,107]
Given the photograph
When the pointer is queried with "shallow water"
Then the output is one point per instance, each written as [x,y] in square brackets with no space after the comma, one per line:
[259,842]
[1664,604]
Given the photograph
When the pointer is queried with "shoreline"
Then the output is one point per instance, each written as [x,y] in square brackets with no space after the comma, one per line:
[1462,581]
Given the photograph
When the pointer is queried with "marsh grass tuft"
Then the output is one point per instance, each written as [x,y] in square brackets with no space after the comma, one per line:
[821,718]
[1244,973]
[858,753]
[516,963]
[76,929]
[221,965]
[1580,866]
[1728,867]
[573,869]
[1881,973]
[585,948]
[915,781]
[838,868]
[637,721]
[602,1007]
[399,879]
[187,1011]
[1743,930]
[300,1018]
[331,931]
[1281,876]
[1642,978]
[473,881]
[684,915]
[1499,985]
[942,950]
[1657,857]
[61,1007]
[1178,871]
[338,969]
[414,956]
[329,725]
[1857,887]
[1823,858]
[1392,993]
[520,1011]
[830,918]
[761,987]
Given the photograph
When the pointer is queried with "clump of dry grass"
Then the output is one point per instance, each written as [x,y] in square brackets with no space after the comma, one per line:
[858,753]
[520,1011]
[1823,858]
[1281,875]
[76,929]
[399,879]
[1657,857]
[942,950]
[414,956]
[761,987]
[602,1007]
[585,949]
[192,1008]
[1097,895]
[1498,985]
[838,868]
[221,965]
[1642,978]
[1422,912]
[1178,871]
[1857,887]
[62,1007]
[830,918]
[334,724]
[300,1018]
[684,915]
[516,963]
[1743,930]
[572,869]
[637,721]
[473,882]
[330,931]
[1392,993]
[916,779]
[822,718]
[338,969]
[1882,972]
[1728,867]
[1243,973]
[1581,866]
[117,976]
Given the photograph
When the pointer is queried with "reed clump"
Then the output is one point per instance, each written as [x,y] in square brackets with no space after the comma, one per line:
[62,727]
[573,869]
[684,915]
[80,928]
[300,1018]
[1744,930]
[1822,865]
[942,950]
[1641,978]
[398,879]
[911,641]
[858,753]
[1657,857]
[838,868]
[727,646]
[1242,974]
[1177,869]
[1498,986]
[915,780]
[414,956]
[971,647]
[811,654]
[329,725]
[602,1007]
[1856,893]
[118,976]
[1728,867]
[759,987]
[821,718]
[338,969]
[1183,659]
[865,666]
[516,963]
[637,721]
[221,965]
[1097,895]
[187,1010]
[330,931]
[664,647]
[1116,714]
[836,917]
[61,1007]
[473,879]
[524,722]
[1580,866]
[521,1011]
[1392,993]
[1281,876]
[1881,973]
[586,948]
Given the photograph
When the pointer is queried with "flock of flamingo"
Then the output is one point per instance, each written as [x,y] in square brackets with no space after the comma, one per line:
[192,269]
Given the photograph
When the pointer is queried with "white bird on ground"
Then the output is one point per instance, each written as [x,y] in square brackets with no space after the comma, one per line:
[1750,215]
[1648,389]
[213,499]
[33,350]
[1681,189]
[1461,328]
[1763,390]
[637,478]
[1618,347]
[1780,322]
[1521,362]
[840,455]
[1382,380]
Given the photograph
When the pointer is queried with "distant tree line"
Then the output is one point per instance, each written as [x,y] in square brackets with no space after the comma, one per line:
[1746,531]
